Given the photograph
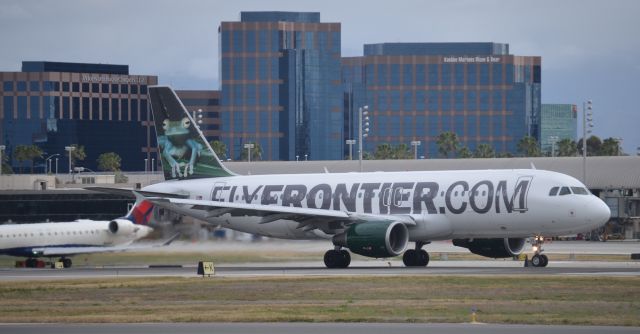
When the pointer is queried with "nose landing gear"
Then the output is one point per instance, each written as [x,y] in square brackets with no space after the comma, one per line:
[538,259]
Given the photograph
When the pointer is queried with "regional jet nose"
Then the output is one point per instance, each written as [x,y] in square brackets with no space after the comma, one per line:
[600,212]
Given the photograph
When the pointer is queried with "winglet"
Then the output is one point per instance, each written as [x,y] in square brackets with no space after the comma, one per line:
[533,166]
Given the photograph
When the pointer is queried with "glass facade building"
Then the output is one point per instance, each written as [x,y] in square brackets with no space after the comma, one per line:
[280,86]
[415,91]
[99,106]
[205,107]
[557,122]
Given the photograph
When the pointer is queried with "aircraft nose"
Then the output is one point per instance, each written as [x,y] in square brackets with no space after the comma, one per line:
[600,212]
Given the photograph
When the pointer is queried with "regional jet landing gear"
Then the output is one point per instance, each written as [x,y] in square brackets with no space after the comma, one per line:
[66,263]
[538,259]
[337,258]
[417,257]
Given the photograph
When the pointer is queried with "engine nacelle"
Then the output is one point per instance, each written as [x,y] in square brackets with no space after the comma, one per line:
[495,248]
[121,226]
[375,239]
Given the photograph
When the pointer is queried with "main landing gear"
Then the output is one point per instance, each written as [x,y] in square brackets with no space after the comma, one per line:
[417,257]
[337,258]
[66,263]
[538,259]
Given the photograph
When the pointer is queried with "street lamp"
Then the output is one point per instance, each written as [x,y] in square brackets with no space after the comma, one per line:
[415,144]
[69,149]
[2,147]
[146,166]
[47,162]
[553,140]
[56,166]
[363,115]
[153,165]
[350,142]
[586,106]
[249,147]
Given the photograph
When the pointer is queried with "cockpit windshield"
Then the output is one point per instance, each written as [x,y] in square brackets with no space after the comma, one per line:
[580,191]
[561,191]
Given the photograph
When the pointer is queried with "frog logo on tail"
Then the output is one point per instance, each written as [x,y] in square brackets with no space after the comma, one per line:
[184,151]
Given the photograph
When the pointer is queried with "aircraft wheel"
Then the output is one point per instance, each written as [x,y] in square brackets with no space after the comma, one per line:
[423,258]
[545,260]
[409,258]
[337,258]
[345,258]
[31,263]
[66,263]
[536,261]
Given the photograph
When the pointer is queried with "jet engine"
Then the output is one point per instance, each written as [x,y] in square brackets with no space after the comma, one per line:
[121,226]
[375,238]
[495,248]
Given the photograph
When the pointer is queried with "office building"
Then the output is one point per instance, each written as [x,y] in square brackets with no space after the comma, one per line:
[99,106]
[416,91]
[280,86]
[557,122]
[204,106]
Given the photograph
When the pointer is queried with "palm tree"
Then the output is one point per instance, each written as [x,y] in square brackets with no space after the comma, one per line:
[610,147]
[567,148]
[447,143]
[383,151]
[402,152]
[528,147]
[464,153]
[109,161]
[77,154]
[594,145]
[27,153]
[484,151]
[219,148]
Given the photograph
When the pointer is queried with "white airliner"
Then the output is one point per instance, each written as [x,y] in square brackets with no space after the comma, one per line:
[78,237]
[490,212]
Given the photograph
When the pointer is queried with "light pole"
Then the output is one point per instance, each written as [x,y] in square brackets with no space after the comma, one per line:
[363,114]
[69,149]
[305,157]
[585,106]
[297,158]
[56,166]
[415,144]
[553,140]
[350,142]
[249,147]
[146,166]
[2,147]
[153,165]
[47,162]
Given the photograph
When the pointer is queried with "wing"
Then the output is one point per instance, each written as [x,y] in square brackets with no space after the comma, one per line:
[329,221]
[67,251]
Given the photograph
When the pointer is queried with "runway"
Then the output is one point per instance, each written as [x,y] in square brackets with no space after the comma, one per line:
[358,268]
[306,328]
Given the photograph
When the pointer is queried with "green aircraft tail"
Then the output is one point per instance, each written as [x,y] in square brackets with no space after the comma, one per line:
[183,149]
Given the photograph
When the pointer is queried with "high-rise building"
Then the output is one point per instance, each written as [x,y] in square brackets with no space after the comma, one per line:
[415,91]
[99,106]
[204,106]
[557,122]
[280,86]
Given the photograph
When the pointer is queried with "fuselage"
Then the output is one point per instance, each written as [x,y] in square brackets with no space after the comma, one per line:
[442,204]
[23,239]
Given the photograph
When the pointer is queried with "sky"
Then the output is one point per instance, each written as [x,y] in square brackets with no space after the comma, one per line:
[590,49]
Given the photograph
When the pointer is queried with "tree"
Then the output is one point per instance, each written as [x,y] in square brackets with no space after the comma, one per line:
[383,151]
[219,148]
[484,151]
[256,152]
[594,145]
[402,151]
[109,162]
[610,146]
[78,154]
[447,143]
[528,147]
[567,148]
[464,153]
[27,153]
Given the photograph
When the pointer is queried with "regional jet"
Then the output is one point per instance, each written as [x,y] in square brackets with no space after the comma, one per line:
[490,212]
[64,239]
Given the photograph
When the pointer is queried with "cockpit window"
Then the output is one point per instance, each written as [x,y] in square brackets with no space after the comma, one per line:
[579,191]
[564,191]
[554,191]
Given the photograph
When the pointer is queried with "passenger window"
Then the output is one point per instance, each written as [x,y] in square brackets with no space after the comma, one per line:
[554,191]
[579,191]
[564,191]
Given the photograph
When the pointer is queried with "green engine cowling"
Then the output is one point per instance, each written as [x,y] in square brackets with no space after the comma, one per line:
[494,248]
[376,239]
